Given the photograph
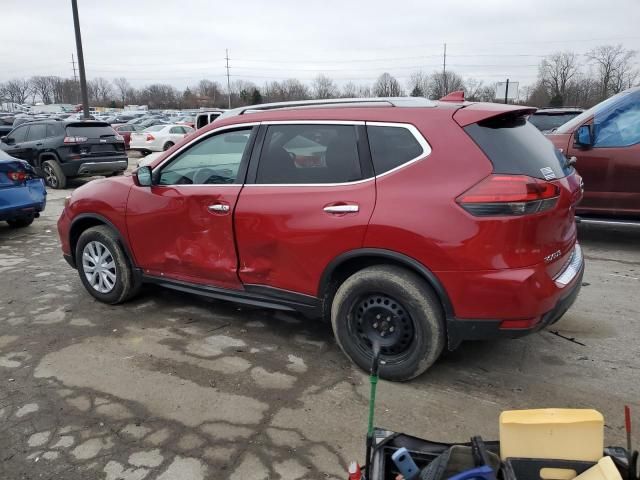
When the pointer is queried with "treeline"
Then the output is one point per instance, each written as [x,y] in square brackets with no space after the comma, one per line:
[564,78]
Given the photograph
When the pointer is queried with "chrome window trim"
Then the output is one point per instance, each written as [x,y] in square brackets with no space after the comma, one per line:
[426,149]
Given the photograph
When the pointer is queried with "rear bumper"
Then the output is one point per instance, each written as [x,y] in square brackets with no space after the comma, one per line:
[95,166]
[525,322]
[23,201]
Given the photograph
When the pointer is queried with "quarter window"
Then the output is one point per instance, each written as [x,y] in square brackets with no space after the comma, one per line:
[213,161]
[391,147]
[298,154]
[54,130]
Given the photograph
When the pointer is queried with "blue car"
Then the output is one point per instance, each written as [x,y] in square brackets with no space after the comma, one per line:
[22,192]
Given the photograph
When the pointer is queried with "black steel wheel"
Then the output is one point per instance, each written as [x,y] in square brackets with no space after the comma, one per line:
[398,310]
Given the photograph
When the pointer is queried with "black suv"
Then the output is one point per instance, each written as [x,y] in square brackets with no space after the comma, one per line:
[66,149]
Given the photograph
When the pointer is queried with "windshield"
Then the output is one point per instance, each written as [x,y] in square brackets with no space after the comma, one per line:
[603,108]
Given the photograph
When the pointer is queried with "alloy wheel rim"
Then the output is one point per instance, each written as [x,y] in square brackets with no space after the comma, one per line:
[99,267]
[50,176]
[381,318]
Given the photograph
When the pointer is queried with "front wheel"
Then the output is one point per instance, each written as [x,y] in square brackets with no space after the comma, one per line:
[103,266]
[395,308]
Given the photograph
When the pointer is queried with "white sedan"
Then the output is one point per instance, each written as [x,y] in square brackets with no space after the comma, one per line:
[158,138]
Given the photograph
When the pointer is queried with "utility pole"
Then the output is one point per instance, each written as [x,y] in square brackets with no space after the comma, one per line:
[506,92]
[228,81]
[75,77]
[444,70]
[83,78]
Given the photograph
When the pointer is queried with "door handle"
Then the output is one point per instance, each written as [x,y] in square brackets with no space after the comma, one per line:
[38,144]
[219,208]
[351,208]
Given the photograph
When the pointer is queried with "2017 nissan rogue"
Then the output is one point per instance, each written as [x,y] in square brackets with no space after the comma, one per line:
[412,224]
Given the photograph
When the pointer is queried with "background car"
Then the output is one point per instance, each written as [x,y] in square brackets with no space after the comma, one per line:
[548,119]
[158,138]
[125,130]
[22,192]
[605,141]
[65,149]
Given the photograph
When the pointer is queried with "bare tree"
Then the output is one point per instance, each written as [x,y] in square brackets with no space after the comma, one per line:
[556,71]
[99,90]
[209,92]
[42,87]
[418,84]
[294,89]
[442,83]
[349,90]
[324,87]
[17,90]
[123,87]
[387,86]
[476,91]
[613,66]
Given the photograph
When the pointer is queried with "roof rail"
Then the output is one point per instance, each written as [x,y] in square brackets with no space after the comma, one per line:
[332,102]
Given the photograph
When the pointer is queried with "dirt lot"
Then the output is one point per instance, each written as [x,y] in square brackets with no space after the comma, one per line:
[171,386]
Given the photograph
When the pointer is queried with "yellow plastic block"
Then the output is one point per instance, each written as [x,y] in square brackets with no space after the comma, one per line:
[605,469]
[565,434]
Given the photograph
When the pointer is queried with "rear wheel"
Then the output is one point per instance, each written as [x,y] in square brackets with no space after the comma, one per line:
[21,222]
[103,266]
[395,308]
[53,174]
[167,145]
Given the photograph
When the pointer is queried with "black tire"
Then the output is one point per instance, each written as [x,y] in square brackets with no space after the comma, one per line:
[396,302]
[53,174]
[167,146]
[21,222]
[125,285]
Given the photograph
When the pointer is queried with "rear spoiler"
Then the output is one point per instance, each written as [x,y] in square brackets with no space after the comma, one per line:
[476,112]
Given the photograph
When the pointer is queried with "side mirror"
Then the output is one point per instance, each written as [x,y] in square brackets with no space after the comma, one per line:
[583,136]
[7,140]
[143,177]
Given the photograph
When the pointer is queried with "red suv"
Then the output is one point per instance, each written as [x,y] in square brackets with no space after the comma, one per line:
[412,224]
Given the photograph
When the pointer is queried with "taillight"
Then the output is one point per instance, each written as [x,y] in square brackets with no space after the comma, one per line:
[150,137]
[74,139]
[509,195]
[19,176]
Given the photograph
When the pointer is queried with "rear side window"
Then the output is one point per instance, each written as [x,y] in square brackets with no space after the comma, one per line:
[514,146]
[54,130]
[37,131]
[90,131]
[298,154]
[392,147]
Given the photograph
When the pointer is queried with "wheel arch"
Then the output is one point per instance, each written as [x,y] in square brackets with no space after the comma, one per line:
[350,262]
[44,156]
[87,220]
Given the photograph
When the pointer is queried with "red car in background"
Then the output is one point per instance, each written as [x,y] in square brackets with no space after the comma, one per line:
[125,130]
[413,225]
[605,141]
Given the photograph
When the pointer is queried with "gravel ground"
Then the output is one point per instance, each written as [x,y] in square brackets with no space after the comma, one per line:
[171,386]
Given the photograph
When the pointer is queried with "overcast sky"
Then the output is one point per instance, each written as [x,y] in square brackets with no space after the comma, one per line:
[183,41]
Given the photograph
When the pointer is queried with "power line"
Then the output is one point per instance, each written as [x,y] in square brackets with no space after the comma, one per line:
[228,81]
